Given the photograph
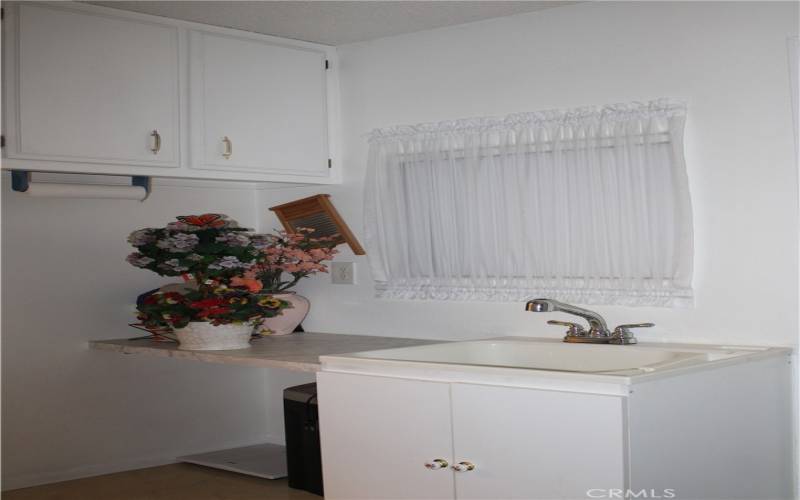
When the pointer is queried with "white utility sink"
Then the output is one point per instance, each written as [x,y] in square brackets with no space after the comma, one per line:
[545,354]
[517,417]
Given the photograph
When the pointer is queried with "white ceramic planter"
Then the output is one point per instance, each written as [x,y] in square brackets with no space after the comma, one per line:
[287,321]
[203,336]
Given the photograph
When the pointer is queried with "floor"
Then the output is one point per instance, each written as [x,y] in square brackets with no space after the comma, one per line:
[168,482]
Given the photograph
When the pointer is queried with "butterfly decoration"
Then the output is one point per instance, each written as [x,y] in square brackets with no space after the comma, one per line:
[205,220]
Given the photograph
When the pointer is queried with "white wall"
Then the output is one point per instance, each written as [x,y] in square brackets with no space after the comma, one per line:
[68,411]
[727,59]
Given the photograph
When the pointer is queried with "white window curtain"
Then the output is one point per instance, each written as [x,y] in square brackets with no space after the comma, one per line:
[589,205]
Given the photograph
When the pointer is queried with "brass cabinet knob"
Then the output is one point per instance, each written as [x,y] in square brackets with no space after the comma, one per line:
[464,467]
[436,464]
[156,142]
[228,147]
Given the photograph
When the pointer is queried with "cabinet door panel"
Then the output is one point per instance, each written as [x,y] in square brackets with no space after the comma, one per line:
[268,100]
[529,444]
[377,434]
[92,88]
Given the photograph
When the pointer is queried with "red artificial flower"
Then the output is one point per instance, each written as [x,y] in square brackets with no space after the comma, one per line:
[214,311]
[205,220]
[207,303]
[173,298]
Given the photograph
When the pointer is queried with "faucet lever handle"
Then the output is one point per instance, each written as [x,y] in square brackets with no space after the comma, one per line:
[622,334]
[574,328]
[634,325]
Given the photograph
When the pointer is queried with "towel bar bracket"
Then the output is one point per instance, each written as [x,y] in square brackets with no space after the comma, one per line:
[142,181]
[20,179]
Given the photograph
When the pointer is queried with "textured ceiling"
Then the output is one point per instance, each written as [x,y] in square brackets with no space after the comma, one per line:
[333,22]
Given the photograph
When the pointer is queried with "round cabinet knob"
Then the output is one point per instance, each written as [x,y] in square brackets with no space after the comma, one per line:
[436,464]
[464,467]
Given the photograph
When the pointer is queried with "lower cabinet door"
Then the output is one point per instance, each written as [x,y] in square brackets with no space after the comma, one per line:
[378,434]
[531,444]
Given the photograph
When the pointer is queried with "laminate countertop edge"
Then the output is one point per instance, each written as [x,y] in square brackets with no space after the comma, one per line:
[296,352]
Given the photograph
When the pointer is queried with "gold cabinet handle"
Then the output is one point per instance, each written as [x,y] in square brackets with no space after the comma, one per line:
[156,142]
[436,464]
[228,148]
[463,467]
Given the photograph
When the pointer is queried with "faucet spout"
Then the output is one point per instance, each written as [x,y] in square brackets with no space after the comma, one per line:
[598,330]
[597,325]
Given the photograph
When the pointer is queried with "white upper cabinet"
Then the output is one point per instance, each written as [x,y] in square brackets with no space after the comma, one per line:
[93,88]
[257,105]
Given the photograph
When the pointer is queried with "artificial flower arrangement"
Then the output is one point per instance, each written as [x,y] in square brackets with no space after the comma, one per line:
[297,254]
[224,306]
[216,252]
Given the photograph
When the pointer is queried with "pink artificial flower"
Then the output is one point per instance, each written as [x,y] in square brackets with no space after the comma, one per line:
[308,266]
[318,254]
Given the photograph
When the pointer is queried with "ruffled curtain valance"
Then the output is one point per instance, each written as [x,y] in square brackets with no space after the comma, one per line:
[588,205]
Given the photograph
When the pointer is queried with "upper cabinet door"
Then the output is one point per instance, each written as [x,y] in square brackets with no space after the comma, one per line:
[257,105]
[90,87]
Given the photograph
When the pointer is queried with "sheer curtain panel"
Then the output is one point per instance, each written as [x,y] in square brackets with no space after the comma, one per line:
[589,205]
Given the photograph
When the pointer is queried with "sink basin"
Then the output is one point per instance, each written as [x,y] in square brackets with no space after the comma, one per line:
[553,356]
[539,363]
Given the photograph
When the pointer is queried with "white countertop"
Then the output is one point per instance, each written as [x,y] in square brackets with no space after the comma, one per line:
[302,351]
[297,352]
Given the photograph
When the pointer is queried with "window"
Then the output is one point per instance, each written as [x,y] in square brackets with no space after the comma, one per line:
[588,205]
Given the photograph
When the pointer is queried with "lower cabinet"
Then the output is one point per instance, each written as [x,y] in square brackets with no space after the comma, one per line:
[399,438]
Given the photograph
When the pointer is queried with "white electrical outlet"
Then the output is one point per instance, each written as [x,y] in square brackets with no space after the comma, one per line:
[343,273]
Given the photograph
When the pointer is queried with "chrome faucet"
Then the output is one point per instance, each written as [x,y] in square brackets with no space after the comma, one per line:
[598,332]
